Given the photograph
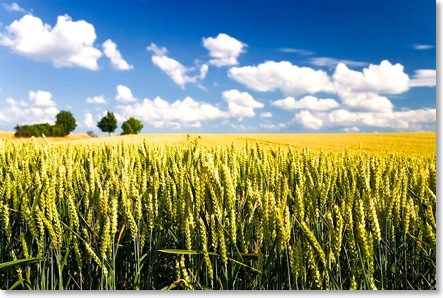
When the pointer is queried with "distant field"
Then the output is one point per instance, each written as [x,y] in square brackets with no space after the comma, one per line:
[374,143]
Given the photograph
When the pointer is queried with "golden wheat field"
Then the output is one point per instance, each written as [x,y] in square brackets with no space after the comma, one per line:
[243,212]
[377,143]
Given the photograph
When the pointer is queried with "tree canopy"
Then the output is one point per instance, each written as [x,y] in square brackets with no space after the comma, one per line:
[108,123]
[65,123]
[131,126]
[66,120]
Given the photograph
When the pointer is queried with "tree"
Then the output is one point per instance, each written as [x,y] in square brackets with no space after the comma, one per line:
[131,126]
[38,130]
[91,133]
[66,121]
[108,123]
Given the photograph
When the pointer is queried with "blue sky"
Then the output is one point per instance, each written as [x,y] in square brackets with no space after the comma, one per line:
[199,66]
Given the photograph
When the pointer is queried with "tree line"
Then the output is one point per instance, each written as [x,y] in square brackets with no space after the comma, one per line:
[65,124]
[108,124]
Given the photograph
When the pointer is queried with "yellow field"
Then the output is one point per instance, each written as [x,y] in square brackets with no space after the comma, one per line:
[374,143]
[123,213]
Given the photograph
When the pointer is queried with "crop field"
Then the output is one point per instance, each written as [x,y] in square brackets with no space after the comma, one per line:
[416,144]
[245,212]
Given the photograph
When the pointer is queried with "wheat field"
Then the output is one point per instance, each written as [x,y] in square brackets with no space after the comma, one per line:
[244,212]
[374,143]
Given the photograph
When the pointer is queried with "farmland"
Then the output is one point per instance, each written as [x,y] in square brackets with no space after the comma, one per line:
[350,211]
[372,143]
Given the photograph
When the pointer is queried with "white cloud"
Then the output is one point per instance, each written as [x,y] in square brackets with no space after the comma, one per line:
[366,101]
[174,69]
[156,50]
[354,121]
[332,62]
[306,119]
[39,108]
[203,71]
[124,94]
[266,115]
[362,94]
[298,51]
[384,78]
[117,61]
[283,76]
[188,112]
[179,114]
[41,98]
[68,44]
[241,104]
[306,103]
[400,120]
[242,127]
[272,126]
[96,99]
[424,78]
[223,49]
[88,120]
[415,118]
[351,129]
[13,7]
[422,46]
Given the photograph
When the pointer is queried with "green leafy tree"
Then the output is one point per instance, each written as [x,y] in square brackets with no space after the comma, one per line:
[131,126]
[108,123]
[66,121]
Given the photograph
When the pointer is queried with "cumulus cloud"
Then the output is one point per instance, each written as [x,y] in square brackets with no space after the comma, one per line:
[223,49]
[362,95]
[174,69]
[266,115]
[39,108]
[68,44]
[241,104]
[124,94]
[188,112]
[308,120]
[96,99]
[424,78]
[366,101]
[384,78]
[361,102]
[117,61]
[292,80]
[283,76]
[354,121]
[306,103]
[41,98]
[179,114]
[400,120]
[88,120]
